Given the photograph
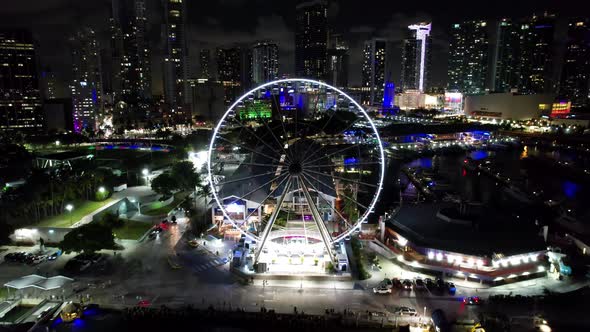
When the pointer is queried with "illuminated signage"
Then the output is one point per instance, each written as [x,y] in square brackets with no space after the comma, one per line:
[561,109]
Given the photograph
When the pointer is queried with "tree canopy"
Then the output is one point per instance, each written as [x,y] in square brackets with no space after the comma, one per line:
[88,238]
[185,175]
[164,184]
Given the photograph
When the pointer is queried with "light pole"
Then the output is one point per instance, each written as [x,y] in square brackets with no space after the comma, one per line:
[70,207]
[138,206]
[145,173]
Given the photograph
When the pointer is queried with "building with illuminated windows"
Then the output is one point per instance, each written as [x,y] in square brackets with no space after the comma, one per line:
[376,70]
[506,60]
[416,57]
[175,75]
[337,74]
[205,63]
[265,62]
[86,86]
[131,65]
[535,67]
[234,71]
[575,73]
[508,106]
[20,101]
[468,57]
[311,39]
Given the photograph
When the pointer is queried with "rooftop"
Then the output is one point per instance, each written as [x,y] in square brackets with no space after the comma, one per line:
[420,225]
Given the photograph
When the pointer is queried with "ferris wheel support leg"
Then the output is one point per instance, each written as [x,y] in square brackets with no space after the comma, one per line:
[271,220]
[319,221]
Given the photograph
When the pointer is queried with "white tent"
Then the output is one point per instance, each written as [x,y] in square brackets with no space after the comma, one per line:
[39,282]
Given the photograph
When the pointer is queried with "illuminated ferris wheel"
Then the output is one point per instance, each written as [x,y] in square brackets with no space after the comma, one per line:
[295,163]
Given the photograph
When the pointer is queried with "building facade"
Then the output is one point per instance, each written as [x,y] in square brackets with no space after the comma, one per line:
[505,67]
[416,57]
[232,70]
[311,38]
[20,101]
[86,86]
[205,63]
[575,72]
[131,65]
[175,87]
[338,58]
[535,69]
[468,57]
[376,71]
[265,62]
[508,106]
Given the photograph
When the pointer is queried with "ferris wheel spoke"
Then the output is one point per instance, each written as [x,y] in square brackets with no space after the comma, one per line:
[341,178]
[230,162]
[267,196]
[325,200]
[334,165]
[246,178]
[263,185]
[332,188]
[324,145]
[257,137]
[324,233]
[249,149]
[305,163]
[281,119]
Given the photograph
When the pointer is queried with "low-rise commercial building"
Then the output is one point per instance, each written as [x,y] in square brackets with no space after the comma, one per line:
[508,106]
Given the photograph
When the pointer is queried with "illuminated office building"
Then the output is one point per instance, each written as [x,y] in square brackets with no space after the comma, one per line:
[311,38]
[416,57]
[265,62]
[575,72]
[375,71]
[468,57]
[20,101]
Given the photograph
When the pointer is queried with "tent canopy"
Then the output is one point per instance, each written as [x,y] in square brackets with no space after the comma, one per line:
[39,282]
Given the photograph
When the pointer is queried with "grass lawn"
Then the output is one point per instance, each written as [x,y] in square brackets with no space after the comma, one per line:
[132,230]
[81,208]
[178,197]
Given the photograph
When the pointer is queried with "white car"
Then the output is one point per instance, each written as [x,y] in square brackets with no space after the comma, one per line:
[406,311]
[381,290]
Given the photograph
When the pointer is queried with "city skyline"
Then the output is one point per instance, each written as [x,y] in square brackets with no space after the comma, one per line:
[213,29]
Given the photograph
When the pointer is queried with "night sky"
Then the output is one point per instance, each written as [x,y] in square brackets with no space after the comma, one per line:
[214,23]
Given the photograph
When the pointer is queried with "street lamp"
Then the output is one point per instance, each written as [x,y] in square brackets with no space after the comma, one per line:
[138,206]
[101,190]
[70,207]
[145,173]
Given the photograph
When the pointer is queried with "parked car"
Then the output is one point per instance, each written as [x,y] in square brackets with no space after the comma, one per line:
[429,283]
[472,300]
[407,284]
[381,290]
[440,284]
[396,283]
[144,303]
[53,256]
[419,283]
[405,311]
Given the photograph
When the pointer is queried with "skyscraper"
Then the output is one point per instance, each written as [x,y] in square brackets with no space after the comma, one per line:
[311,38]
[376,71]
[505,67]
[131,79]
[20,102]
[229,72]
[204,63]
[175,88]
[575,72]
[416,57]
[337,73]
[468,57]
[265,62]
[86,84]
[536,56]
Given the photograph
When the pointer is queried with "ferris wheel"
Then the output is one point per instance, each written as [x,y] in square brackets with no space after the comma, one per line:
[295,161]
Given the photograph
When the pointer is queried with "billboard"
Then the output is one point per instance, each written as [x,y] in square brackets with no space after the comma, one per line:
[561,109]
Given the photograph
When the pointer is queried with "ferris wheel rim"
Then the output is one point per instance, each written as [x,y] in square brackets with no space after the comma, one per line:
[230,109]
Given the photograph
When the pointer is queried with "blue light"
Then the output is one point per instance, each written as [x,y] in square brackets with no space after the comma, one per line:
[570,189]
[56,322]
[349,161]
[78,322]
[90,312]
[479,154]
[94,96]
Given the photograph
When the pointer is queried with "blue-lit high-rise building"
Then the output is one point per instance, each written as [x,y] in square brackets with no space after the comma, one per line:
[376,70]
[20,101]
[416,58]
[86,85]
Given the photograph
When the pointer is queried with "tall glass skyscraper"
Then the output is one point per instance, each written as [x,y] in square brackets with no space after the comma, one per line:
[20,101]
[265,62]
[468,57]
[536,54]
[311,38]
[376,71]
[416,57]
[506,59]
[175,87]
[575,72]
